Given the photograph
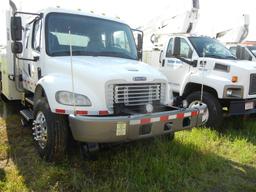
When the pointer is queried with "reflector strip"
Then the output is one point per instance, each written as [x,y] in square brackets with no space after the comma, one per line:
[187,114]
[194,113]
[155,119]
[145,121]
[62,111]
[180,116]
[163,118]
[103,112]
[81,112]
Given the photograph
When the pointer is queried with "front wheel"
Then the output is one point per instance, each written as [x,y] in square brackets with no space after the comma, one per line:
[50,132]
[213,115]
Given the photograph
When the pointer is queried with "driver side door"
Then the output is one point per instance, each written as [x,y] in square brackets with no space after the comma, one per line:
[174,69]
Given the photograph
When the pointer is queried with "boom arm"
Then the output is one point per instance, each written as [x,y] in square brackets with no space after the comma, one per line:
[236,34]
[164,26]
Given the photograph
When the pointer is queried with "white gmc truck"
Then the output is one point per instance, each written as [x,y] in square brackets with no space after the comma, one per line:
[203,71]
[79,73]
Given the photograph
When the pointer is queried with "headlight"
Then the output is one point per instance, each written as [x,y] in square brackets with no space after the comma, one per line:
[233,92]
[69,98]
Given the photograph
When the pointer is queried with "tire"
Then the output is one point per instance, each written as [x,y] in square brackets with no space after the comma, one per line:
[215,114]
[53,143]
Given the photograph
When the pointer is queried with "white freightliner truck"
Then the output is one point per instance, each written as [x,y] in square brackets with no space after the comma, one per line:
[203,71]
[81,72]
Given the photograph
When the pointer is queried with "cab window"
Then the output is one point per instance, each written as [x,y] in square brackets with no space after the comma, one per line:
[36,38]
[185,49]
[120,40]
[233,50]
[169,48]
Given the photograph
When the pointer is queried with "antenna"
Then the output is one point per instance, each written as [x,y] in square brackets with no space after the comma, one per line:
[203,69]
[72,74]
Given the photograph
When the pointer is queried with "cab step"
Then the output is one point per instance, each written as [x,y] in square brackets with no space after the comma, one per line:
[27,114]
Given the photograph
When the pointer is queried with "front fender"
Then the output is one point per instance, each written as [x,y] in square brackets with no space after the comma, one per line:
[211,80]
[60,82]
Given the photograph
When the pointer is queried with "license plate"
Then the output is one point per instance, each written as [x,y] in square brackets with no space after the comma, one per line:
[121,129]
[249,105]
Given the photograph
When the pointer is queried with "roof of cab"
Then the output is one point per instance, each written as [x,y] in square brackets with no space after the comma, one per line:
[79,12]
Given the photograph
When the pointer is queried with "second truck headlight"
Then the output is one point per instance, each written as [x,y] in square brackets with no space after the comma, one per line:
[233,92]
[69,98]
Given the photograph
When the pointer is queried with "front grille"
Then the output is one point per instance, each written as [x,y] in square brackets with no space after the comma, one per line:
[252,89]
[136,94]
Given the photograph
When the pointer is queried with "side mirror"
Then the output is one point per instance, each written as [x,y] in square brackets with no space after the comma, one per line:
[161,56]
[194,63]
[17,47]
[138,37]
[16,28]
[176,50]
[140,46]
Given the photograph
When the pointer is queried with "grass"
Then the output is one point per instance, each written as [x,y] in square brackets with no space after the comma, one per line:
[197,160]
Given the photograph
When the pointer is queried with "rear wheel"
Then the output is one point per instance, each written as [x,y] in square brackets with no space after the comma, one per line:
[50,132]
[213,115]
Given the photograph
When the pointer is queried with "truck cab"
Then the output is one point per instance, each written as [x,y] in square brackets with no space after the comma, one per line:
[244,51]
[202,70]
[80,73]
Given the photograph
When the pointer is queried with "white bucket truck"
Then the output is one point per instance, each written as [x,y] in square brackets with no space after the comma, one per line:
[203,71]
[81,72]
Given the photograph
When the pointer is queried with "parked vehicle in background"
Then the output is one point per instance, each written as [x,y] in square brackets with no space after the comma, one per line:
[244,51]
[202,70]
[79,73]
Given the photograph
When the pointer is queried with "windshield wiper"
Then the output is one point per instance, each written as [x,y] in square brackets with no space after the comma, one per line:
[114,54]
[213,56]
[91,53]
[221,57]
[67,53]
[231,57]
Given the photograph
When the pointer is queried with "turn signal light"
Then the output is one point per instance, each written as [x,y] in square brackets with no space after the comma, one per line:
[234,79]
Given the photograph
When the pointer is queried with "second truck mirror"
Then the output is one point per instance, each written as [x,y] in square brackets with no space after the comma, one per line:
[17,47]
[176,50]
[16,28]
[139,46]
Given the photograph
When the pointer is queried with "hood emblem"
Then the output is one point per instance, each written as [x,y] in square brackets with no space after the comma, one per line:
[139,78]
[132,69]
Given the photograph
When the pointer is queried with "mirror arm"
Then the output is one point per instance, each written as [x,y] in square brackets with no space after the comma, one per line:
[25,59]
[192,63]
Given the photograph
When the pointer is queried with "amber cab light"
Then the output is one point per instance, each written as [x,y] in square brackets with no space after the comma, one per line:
[234,79]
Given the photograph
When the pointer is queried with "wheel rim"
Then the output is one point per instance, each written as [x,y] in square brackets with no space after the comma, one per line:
[40,130]
[196,104]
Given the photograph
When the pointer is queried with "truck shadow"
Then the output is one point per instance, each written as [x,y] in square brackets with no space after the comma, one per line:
[139,166]
[240,128]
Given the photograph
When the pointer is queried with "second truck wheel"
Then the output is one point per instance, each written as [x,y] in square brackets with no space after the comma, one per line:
[213,116]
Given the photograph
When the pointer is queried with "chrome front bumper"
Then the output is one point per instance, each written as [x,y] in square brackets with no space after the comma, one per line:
[100,129]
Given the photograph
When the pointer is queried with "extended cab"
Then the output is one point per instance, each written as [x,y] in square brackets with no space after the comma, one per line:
[81,72]
[202,70]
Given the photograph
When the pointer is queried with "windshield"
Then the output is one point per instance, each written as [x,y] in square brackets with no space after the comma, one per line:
[208,47]
[88,36]
[252,49]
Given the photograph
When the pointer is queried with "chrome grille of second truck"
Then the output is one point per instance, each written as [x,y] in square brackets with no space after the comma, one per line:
[252,89]
[137,94]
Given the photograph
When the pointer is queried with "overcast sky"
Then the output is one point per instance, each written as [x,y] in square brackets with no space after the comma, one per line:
[215,15]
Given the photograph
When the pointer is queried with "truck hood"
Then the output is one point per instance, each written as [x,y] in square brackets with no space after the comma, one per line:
[109,68]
